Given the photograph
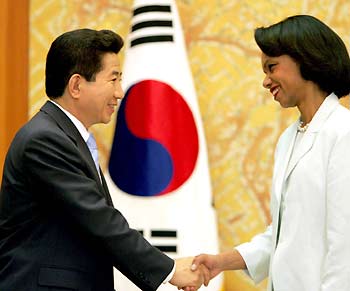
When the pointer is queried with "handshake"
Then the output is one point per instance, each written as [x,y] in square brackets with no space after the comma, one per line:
[192,272]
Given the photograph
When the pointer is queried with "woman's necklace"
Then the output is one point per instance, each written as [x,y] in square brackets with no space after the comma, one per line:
[302,127]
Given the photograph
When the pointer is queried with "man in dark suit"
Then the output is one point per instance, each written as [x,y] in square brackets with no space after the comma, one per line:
[58,227]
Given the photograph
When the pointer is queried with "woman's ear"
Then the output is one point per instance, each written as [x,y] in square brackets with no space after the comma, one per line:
[74,85]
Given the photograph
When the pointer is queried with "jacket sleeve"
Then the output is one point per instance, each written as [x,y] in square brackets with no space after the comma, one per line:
[256,255]
[53,161]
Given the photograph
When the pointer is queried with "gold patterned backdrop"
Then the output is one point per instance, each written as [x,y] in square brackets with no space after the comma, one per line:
[241,121]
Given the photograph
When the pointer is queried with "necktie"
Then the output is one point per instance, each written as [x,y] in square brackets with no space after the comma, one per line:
[91,143]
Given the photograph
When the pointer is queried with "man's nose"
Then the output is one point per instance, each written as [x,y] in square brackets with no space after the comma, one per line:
[119,92]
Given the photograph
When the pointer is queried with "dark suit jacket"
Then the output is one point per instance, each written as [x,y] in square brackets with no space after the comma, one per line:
[58,227]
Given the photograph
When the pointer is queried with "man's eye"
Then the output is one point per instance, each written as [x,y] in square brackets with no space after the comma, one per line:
[271,66]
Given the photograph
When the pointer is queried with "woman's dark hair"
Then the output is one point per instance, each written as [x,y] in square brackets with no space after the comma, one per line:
[319,51]
[77,52]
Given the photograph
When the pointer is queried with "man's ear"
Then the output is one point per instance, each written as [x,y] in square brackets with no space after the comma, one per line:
[74,85]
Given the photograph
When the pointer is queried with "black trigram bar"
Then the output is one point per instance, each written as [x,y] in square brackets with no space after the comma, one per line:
[152,38]
[152,8]
[167,249]
[152,23]
[163,233]
[170,248]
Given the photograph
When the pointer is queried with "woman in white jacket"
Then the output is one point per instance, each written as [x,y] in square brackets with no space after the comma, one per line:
[307,246]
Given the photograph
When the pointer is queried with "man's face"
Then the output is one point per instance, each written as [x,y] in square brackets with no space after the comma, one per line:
[100,98]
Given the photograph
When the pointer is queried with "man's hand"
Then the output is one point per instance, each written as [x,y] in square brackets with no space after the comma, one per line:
[188,279]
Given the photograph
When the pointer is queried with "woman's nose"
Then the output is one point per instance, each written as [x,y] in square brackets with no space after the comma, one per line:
[267,82]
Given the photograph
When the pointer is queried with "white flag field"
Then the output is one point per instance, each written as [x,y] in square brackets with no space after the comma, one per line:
[158,172]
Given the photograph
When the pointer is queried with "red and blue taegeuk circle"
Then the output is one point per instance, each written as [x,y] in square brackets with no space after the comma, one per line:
[155,146]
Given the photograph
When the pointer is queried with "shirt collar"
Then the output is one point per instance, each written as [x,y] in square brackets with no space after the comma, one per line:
[81,128]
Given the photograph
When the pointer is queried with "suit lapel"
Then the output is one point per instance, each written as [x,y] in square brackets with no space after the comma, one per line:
[105,188]
[304,146]
[285,166]
[307,141]
[62,120]
[72,132]
[282,159]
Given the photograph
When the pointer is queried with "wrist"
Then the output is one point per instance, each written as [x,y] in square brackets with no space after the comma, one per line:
[231,260]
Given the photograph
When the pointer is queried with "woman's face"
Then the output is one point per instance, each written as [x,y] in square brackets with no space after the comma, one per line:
[284,80]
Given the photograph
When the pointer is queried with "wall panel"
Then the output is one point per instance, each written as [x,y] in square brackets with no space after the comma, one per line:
[14,50]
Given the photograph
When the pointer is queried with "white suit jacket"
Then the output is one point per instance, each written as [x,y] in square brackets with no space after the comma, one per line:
[313,250]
